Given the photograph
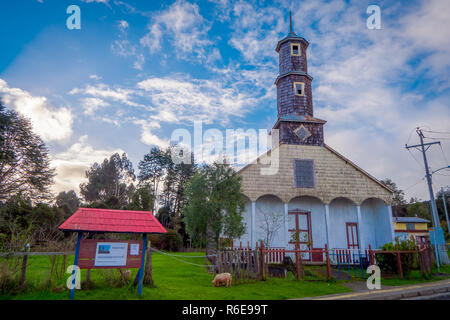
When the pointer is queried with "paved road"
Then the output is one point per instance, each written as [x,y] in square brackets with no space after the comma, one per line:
[438,290]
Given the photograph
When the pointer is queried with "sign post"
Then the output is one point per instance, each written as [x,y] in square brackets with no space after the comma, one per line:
[141,271]
[75,263]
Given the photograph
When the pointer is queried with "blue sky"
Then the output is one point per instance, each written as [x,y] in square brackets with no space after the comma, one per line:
[137,70]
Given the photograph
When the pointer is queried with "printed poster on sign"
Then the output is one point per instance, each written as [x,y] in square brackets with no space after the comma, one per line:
[111,254]
[134,249]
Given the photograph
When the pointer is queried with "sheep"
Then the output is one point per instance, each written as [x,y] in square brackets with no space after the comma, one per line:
[222,278]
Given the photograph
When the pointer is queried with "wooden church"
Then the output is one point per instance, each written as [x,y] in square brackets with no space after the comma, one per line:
[315,193]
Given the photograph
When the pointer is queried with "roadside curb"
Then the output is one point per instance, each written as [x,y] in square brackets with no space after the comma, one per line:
[441,287]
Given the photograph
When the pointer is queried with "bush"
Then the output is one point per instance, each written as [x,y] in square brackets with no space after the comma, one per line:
[171,241]
[388,262]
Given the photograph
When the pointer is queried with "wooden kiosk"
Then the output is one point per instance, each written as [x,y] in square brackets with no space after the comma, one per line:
[95,254]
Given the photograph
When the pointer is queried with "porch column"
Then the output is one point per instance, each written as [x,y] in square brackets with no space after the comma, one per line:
[286,225]
[391,223]
[360,225]
[327,224]
[252,235]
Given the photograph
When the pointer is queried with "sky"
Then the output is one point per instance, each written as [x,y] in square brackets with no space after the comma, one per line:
[138,70]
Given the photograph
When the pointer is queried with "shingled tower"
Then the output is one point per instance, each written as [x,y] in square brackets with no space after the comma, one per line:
[296,120]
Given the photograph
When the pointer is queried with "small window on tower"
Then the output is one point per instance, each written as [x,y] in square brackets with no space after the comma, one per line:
[295,49]
[299,88]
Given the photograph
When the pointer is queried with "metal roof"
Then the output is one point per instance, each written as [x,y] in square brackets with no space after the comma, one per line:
[108,220]
[410,219]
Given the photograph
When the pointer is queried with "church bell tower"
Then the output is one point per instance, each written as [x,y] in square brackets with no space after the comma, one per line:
[296,120]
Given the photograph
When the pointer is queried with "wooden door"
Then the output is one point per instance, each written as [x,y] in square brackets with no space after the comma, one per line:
[352,235]
[302,227]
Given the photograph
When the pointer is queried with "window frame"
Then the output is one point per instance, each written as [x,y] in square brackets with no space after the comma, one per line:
[303,89]
[314,184]
[410,226]
[299,49]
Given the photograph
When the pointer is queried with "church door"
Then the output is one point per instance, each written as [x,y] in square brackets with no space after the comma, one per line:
[352,235]
[300,229]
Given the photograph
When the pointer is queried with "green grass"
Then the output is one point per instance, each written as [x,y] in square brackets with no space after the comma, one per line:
[415,277]
[173,280]
[176,280]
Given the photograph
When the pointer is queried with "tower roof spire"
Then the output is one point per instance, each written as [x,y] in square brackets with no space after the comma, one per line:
[291,31]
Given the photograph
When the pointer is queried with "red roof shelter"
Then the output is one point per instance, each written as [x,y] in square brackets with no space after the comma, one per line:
[112,221]
[108,220]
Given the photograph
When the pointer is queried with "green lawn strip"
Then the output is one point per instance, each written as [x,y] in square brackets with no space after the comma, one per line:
[173,280]
[415,277]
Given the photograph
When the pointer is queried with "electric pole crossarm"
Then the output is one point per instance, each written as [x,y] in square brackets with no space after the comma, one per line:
[420,145]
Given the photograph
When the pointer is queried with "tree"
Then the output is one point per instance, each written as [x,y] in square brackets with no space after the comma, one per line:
[110,181]
[24,159]
[68,201]
[419,209]
[158,167]
[153,168]
[271,222]
[399,195]
[142,199]
[214,205]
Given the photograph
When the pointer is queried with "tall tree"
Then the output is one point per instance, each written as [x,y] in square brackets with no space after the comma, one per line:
[214,205]
[142,199]
[153,168]
[24,159]
[111,179]
[68,201]
[399,195]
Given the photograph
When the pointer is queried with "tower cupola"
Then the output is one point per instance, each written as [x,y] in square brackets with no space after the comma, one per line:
[294,94]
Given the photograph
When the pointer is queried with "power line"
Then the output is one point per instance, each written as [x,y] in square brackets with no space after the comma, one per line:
[415,184]
[440,132]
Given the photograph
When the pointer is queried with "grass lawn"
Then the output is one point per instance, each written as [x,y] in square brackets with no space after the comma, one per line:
[415,277]
[173,280]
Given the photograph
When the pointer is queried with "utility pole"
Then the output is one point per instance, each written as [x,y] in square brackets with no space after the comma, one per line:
[445,209]
[439,234]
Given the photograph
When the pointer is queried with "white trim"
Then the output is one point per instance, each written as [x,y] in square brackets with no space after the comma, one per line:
[252,237]
[360,227]
[286,224]
[327,224]
[391,223]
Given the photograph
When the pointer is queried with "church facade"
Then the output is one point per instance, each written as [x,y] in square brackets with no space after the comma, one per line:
[317,195]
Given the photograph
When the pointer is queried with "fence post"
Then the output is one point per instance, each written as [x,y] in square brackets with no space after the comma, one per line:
[399,262]
[23,275]
[371,255]
[263,257]
[297,260]
[328,262]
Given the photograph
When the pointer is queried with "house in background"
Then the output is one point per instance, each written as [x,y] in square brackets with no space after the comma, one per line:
[316,194]
[405,227]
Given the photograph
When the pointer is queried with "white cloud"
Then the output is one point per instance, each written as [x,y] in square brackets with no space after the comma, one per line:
[90,105]
[50,123]
[147,137]
[72,163]
[185,100]
[183,24]
[104,91]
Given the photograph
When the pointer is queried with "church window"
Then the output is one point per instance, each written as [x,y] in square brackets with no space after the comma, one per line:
[295,49]
[299,88]
[304,173]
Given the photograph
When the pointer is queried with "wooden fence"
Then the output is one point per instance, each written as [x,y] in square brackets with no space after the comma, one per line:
[245,263]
